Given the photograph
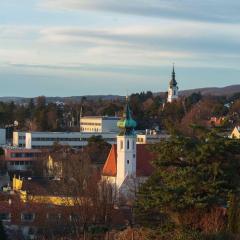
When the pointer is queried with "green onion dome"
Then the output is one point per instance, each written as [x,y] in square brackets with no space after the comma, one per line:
[127,123]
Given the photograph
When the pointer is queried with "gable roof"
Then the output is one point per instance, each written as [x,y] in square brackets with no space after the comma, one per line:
[110,166]
[143,164]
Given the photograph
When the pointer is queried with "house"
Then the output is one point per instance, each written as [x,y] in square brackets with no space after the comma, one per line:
[128,163]
[235,133]
[216,121]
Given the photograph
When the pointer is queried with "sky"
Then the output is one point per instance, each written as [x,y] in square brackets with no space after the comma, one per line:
[90,47]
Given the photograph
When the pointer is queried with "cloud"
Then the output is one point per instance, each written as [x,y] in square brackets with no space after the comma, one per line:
[211,10]
[125,48]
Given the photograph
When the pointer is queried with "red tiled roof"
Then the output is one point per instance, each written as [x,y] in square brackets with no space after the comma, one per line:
[144,158]
[110,166]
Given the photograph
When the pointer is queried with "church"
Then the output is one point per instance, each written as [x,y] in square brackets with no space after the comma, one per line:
[173,88]
[128,164]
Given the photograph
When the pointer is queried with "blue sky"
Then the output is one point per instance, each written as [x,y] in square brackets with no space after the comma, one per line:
[79,47]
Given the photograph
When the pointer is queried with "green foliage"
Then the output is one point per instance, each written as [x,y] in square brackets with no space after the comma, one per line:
[192,99]
[192,176]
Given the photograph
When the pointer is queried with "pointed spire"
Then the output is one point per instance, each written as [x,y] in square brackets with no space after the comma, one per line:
[173,81]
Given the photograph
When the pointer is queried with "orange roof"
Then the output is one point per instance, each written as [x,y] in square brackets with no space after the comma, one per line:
[143,164]
[110,166]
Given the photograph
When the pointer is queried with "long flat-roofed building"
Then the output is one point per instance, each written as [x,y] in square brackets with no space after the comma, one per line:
[72,139]
[99,124]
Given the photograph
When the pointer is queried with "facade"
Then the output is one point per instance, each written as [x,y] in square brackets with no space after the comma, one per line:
[150,137]
[21,159]
[47,139]
[128,163]
[2,136]
[98,124]
[19,139]
[173,89]
[236,133]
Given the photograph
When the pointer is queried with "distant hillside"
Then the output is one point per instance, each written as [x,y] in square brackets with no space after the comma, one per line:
[224,91]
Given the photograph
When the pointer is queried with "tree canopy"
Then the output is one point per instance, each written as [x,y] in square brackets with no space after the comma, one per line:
[192,175]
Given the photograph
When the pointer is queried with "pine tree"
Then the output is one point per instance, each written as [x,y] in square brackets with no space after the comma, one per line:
[192,176]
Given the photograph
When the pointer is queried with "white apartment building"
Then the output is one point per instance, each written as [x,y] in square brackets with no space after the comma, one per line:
[47,139]
[99,124]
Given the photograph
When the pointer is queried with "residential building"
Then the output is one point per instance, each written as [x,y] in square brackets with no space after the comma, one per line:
[21,159]
[216,121]
[151,136]
[98,124]
[173,88]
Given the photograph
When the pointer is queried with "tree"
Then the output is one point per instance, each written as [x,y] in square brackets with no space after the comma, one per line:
[97,149]
[193,176]
[3,235]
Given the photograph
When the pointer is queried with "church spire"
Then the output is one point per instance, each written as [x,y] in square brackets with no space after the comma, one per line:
[173,81]
[127,123]
[173,87]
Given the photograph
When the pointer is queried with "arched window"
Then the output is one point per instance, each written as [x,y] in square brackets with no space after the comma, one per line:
[121,144]
[127,144]
[133,144]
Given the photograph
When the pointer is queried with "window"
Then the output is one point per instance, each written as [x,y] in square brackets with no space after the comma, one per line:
[127,161]
[121,144]
[74,217]
[127,144]
[28,217]
[133,144]
[134,155]
[5,216]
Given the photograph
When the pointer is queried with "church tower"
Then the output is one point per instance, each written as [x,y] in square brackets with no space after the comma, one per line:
[126,147]
[173,88]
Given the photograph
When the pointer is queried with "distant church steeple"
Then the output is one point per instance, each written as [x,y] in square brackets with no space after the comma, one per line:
[173,88]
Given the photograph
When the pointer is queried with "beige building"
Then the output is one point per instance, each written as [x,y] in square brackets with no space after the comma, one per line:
[98,124]
[236,132]
[150,136]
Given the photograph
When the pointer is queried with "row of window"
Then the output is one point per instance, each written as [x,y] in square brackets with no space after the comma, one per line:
[25,217]
[58,139]
[25,155]
[90,124]
[30,217]
[140,140]
[128,144]
[90,129]
[65,139]
[22,137]
[17,163]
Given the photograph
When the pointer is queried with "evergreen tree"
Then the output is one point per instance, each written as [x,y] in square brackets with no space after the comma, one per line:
[192,177]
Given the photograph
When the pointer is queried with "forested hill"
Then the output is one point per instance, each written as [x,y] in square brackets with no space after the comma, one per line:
[221,91]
